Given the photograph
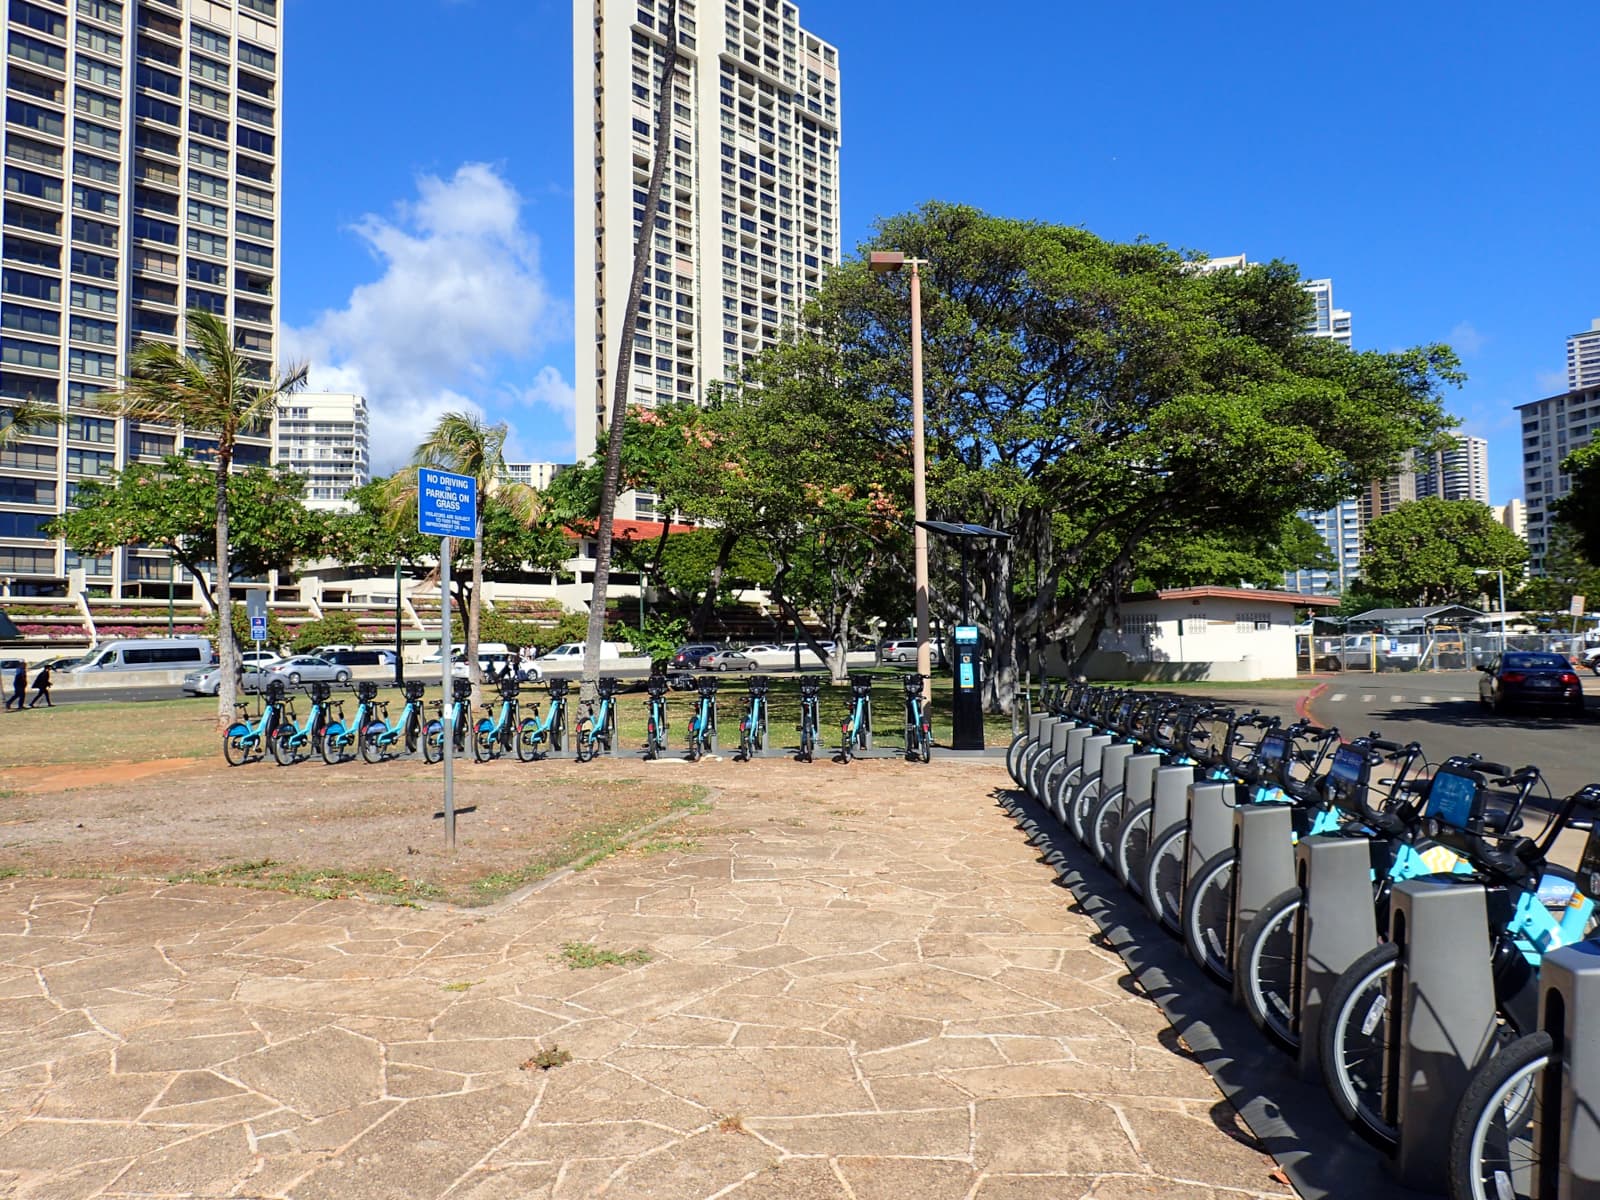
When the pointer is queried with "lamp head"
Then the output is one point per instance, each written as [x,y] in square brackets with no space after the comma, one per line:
[885,260]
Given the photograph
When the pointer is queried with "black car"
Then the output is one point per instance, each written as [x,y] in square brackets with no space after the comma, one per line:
[687,658]
[1523,677]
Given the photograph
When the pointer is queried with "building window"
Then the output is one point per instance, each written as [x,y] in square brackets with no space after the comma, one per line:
[1250,622]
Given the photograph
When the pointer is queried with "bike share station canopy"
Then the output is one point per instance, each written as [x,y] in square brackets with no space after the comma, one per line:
[966,720]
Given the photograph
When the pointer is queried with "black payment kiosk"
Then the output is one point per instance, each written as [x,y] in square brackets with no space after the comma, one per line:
[966,721]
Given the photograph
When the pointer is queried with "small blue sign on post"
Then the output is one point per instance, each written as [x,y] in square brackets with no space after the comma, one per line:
[447,504]
[258,629]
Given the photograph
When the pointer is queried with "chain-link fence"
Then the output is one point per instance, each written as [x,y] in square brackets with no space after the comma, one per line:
[1438,649]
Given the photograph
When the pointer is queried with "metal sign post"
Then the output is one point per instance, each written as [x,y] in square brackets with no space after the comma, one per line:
[447,508]
[1576,609]
[255,607]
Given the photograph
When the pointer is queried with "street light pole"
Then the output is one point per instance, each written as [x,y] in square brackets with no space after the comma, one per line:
[1502,572]
[893,260]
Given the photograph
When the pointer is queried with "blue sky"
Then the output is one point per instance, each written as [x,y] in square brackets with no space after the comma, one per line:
[1438,161]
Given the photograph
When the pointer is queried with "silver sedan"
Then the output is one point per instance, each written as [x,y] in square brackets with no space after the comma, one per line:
[728,660]
[307,668]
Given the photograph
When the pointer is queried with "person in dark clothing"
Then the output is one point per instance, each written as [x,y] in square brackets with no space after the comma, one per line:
[19,688]
[41,688]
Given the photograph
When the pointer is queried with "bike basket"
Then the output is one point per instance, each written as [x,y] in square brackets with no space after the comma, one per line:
[608,686]
[367,691]
[912,683]
[510,689]
[460,689]
[320,691]
[559,688]
[759,685]
[275,691]
[656,685]
[860,685]
[810,687]
[706,685]
[414,689]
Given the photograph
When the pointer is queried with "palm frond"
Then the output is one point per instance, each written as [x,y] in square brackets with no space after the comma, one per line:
[18,420]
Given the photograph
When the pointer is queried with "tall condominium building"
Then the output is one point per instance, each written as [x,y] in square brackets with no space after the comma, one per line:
[1552,428]
[1513,514]
[748,216]
[1340,528]
[536,475]
[324,437]
[1583,358]
[1382,496]
[1326,320]
[142,164]
[1459,473]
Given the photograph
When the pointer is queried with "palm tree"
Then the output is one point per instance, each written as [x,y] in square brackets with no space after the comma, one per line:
[209,388]
[27,416]
[619,395]
[465,444]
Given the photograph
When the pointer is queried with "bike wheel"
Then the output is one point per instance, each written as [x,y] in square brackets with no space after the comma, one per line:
[234,748]
[1133,847]
[808,744]
[1269,956]
[433,742]
[1354,1043]
[372,743]
[1493,1155]
[1031,758]
[332,746]
[1208,917]
[283,750]
[924,742]
[1163,877]
[583,740]
[1014,757]
[413,734]
[527,740]
[650,741]
[1083,800]
[483,741]
[1058,800]
[1104,822]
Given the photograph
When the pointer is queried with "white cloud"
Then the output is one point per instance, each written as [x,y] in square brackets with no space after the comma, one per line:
[1467,340]
[460,294]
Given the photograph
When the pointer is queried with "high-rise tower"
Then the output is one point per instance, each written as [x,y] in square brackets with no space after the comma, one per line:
[142,162]
[748,215]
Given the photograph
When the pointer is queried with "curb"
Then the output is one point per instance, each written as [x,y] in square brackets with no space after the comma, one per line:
[1302,706]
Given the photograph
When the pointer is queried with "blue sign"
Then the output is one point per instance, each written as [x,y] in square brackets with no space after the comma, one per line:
[258,629]
[447,505]
[966,635]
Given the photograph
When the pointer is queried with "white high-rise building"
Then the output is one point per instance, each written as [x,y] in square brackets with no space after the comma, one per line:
[1326,320]
[142,166]
[536,475]
[748,216]
[1552,428]
[1583,358]
[1459,473]
[1513,514]
[1340,528]
[324,436]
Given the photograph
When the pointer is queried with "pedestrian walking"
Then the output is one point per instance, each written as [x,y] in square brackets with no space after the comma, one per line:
[19,687]
[41,688]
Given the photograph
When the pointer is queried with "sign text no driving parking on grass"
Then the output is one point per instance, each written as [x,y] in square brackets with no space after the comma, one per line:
[447,505]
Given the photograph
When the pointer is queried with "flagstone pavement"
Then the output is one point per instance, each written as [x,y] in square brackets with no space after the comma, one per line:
[884,998]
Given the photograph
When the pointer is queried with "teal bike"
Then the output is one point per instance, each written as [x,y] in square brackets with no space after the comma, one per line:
[494,734]
[703,725]
[753,725]
[244,741]
[460,718]
[295,741]
[342,740]
[919,730]
[596,732]
[810,725]
[380,738]
[856,729]
[655,728]
[537,736]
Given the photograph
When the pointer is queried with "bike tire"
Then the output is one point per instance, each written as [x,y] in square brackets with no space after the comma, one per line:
[283,752]
[924,743]
[808,745]
[1133,846]
[332,745]
[1014,757]
[1104,822]
[483,739]
[1163,877]
[372,743]
[1208,916]
[527,743]
[1052,782]
[413,734]
[433,742]
[1269,962]
[1492,1154]
[1087,795]
[1058,800]
[1030,760]
[1353,1041]
[650,751]
[1039,773]
[583,740]
[234,749]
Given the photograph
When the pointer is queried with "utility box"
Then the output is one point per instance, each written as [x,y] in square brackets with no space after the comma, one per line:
[966,721]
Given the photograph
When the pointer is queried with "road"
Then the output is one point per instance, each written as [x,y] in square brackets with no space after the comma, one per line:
[1441,711]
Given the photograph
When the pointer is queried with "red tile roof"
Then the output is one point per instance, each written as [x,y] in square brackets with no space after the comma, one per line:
[1228,593]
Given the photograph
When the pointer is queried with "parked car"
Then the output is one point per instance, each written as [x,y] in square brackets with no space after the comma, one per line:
[1591,659]
[308,668]
[1524,677]
[365,657]
[62,662]
[207,682]
[260,658]
[904,650]
[145,654]
[572,652]
[329,651]
[688,658]
[728,660]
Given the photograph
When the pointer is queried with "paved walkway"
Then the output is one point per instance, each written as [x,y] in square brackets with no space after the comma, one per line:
[885,999]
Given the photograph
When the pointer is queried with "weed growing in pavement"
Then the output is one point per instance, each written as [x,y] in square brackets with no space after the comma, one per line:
[667,846]
[732,1123]
[549,1059]
[580,956]
[317,885]
[464,986]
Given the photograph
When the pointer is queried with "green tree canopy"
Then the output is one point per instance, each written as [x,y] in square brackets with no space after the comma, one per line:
[1579,509]
[1427,552]
[172,505]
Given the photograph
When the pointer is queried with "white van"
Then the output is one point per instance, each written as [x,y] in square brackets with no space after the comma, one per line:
[146,654]
[493,658]
[572,653]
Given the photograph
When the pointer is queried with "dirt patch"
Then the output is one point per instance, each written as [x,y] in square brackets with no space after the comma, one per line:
[319,830]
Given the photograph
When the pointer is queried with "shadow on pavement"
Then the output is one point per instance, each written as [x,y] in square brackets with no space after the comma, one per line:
[1284,1116]
[1469,714]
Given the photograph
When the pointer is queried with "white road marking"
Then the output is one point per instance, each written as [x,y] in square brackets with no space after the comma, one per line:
[1397,699]
[1427,699]
[1460,699]
[1368,698]
[1336,697]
